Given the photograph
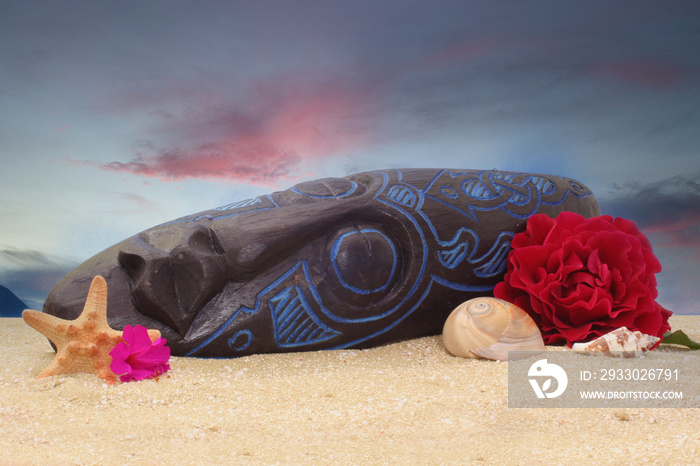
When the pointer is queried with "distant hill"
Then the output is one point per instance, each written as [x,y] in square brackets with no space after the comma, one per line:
[10,305]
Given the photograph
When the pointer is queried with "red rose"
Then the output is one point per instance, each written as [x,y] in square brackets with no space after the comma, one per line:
[581,278]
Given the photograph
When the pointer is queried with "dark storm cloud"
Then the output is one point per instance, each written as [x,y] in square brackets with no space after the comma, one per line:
[31,274]
[669,208]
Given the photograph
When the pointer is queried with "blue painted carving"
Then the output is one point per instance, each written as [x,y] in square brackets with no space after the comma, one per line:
[455,251]
[240,340]
[481,189]
[433,279]
[451,258]
[402,195]
[294,321]
[494,261]
[337,248]
[450,192]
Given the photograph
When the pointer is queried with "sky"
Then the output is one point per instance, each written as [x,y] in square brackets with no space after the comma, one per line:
[116,116]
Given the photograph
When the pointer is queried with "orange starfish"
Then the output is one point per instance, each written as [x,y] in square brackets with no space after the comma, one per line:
[83,344]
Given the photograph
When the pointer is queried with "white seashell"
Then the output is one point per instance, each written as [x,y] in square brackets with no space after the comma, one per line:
[489,328]
[620,343]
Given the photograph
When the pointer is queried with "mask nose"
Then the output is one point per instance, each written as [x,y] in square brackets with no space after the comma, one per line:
[175,270]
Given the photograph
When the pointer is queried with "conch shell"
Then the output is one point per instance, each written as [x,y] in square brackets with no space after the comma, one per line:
[489,328]
[620,343]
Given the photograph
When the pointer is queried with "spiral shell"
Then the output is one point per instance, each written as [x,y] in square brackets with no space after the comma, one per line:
[489,328]
[620,343]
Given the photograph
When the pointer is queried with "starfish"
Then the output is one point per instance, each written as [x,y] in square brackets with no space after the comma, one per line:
[83,344]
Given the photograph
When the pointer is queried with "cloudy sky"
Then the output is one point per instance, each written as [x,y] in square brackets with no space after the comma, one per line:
[117,116]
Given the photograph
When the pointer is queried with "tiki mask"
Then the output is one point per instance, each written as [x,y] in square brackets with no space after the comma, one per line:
[346,262]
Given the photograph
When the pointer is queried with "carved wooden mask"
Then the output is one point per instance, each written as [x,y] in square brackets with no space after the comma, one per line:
[332,263]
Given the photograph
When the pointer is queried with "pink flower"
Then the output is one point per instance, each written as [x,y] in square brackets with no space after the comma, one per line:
[137,358]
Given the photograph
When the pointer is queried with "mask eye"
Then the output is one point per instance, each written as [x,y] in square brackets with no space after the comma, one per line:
[363,263]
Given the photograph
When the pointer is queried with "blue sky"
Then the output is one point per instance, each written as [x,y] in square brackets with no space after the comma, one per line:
[117,116]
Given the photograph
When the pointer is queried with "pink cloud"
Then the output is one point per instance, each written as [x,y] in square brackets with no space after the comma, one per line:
[262,139]
[216,161]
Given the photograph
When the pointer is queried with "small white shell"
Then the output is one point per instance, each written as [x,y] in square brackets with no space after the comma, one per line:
[620,343]
[489,328]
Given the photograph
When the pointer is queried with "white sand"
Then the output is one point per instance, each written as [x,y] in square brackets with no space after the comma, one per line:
[406,403]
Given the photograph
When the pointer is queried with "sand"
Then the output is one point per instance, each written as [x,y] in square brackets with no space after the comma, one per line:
[405,403]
